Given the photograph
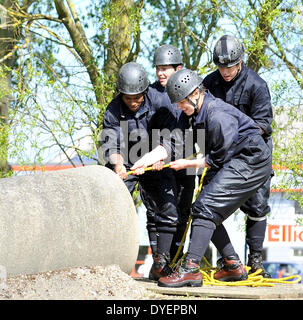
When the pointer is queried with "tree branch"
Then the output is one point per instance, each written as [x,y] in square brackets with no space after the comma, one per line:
[295,71]
[80,44]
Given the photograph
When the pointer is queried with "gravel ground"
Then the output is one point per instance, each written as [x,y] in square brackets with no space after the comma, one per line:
[85,283]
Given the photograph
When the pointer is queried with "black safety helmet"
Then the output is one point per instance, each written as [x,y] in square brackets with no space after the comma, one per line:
[167,55]
[228,51]
[132,79]
[182,83]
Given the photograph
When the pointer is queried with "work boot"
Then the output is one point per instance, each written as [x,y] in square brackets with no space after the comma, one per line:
[231,269]
[160,267]
[187,274]
[255,261]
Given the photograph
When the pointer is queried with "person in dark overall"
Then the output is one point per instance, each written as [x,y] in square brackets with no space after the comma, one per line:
[236,84]
[234,147]
[168,60]
[128,130]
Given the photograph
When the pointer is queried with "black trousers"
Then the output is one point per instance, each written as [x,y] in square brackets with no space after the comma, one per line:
[158,191]
[227,190]
[235,183]
[256,208]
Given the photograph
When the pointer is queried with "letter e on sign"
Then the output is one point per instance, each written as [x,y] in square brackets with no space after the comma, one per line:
[273,233]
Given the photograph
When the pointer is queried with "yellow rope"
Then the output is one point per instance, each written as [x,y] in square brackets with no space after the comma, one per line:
[165,166]
[173,262]
[253,280]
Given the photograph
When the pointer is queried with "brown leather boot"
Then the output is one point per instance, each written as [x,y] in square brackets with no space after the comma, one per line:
[232,270]
[160,267]
[188,274]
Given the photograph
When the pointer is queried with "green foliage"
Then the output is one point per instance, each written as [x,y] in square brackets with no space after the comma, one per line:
[48,116]
[136,197]
[299,221]
[4,124]
[188,25]
[287,139]
[106,15]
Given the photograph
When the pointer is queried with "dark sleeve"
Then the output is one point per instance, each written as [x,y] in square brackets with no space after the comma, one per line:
[165,122]
[111,136]
[222,138]
[206,82]
[261,109]
[167,114]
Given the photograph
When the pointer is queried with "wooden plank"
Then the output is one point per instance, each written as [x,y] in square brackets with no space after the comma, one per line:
[279,291]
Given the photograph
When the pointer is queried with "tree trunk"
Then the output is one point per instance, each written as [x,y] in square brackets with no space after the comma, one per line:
[8,59]
[72,23]
[263,29]
[120,35]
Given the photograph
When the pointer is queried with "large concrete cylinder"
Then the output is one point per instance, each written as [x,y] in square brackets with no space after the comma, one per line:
[68,218]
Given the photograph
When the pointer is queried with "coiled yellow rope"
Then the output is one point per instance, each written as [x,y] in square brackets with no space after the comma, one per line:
[253,280]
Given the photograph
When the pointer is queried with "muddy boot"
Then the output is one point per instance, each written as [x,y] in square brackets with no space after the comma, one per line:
[188,274]
[160,267]
[232,270]
[255,262]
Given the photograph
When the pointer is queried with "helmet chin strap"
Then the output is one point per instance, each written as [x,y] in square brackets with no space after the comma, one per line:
[194,104]
[239,69]
[238,72]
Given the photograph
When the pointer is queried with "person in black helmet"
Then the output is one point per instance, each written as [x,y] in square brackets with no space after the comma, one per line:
[168,60]
[243,88]
[234,147]
[127,134]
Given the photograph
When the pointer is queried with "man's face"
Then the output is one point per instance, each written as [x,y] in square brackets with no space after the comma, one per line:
[185,104]
[186,107]
[229,73]
[163,73]
[133,101]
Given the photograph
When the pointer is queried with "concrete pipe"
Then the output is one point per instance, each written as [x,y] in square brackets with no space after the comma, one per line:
[68,218]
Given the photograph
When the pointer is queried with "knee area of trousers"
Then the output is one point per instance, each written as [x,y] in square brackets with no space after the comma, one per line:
[204,223]
[167,228]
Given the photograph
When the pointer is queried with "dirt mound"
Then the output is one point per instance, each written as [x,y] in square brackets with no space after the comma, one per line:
[85,283]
